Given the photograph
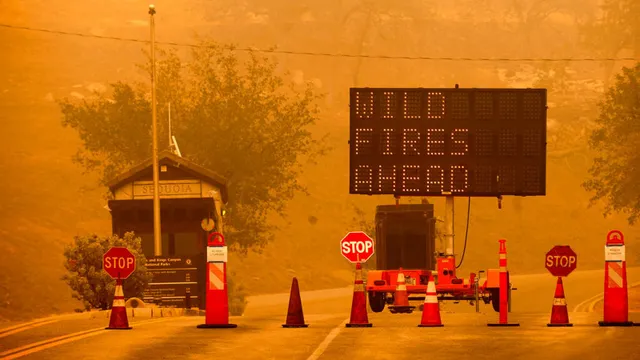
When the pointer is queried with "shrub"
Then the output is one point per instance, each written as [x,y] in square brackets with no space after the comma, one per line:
[237,295]
[92,286]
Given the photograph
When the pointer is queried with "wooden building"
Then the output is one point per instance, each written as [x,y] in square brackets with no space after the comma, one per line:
[192,200]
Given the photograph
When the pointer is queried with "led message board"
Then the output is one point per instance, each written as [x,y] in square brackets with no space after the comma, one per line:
[448,141]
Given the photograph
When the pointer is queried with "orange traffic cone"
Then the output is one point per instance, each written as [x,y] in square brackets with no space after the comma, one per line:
[118,319]
[615,309]
[295,316]
[401,298]
[431,307]
[559,313]
[359,317]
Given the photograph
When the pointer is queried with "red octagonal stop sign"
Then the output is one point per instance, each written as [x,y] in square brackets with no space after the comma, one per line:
[357,246]
[561,260]
[119,262]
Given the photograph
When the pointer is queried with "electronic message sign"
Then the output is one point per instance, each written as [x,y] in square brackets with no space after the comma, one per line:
[448,141]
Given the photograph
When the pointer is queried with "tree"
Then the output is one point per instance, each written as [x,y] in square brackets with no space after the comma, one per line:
[85,277]
[361,222]
[239,120]
[615,172]
[531,15]
[381,22]
[237,295]
[615,29]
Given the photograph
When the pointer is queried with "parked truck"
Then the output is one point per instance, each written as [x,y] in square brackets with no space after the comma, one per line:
[405,240]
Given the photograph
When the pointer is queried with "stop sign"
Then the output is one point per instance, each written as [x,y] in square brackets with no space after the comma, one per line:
[561,260]
[119,262]
[356,246]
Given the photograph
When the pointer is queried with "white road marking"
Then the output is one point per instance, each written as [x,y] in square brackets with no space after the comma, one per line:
[327,341]
[592,306]
[585,303]
[591,302]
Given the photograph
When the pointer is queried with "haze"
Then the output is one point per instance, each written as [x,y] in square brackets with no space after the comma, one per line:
[45,199]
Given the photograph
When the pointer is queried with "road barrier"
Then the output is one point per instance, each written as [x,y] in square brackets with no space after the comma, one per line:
[559,312]
[217,306]
[504,284]
[295,315]
[616,297]
[431,307]
[118,319]
[401,297]
[359,316]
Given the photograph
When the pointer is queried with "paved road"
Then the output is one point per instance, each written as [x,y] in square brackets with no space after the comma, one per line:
[260,336]
[535,292]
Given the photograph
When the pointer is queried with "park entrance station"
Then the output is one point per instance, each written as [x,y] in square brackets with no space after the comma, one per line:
[191,203]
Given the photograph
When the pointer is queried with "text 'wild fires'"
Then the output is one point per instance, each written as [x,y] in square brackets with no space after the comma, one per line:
[432,142]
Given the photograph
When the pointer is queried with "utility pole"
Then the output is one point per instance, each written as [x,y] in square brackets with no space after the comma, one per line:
[157,235]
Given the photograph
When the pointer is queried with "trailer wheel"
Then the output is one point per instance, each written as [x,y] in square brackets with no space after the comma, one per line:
[376,301]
